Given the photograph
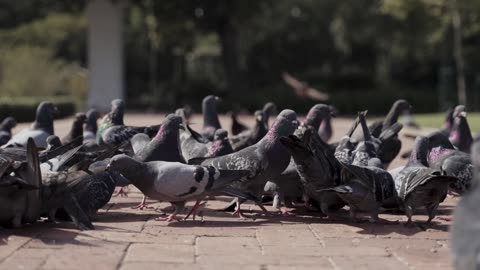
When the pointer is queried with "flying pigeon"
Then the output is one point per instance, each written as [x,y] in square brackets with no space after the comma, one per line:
[302,89]
[41,128]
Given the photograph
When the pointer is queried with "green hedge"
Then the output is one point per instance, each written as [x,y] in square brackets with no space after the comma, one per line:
[23,109]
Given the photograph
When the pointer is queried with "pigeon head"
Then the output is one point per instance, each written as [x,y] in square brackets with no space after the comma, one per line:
[317,114]
[8,123]
[220,135]
[448,119]
[127,166]
[284,125]
[45,114]
[458,110]
[80,118]
[118,109]
[77,125]
[460,135]
[53,141]
[170,126]
[401,106]
[419,152]
[269,109]
[209,108]
[296,147]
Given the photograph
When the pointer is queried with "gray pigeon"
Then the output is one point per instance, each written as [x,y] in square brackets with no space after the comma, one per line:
[365,149]
[6,129]
[460,135]
[325,131]
[418,185]
[444,156]
[236,127]
[91,127]
[53,142]
[366,188]
[77,128]
[165,146]
[20,190]
[345,147]
[317,167]
[221,145]
[317,114]
[172,181]
[269,110]
[250,136]
[41,128]
[210,116]
[465,243]
[265,160]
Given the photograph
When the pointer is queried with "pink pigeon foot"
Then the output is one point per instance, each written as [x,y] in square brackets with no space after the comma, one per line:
[121,192]
[195,209]
[142,206]
[287,213]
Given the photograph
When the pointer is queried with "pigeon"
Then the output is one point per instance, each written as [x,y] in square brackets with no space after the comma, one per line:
[317,167]
[117,135]
[139,141]
[165,146]
[221,145]
[210,116]
[6,129]
[460,135]
[173,181]
[325,131]
[464,241]
[77,128]
[345,147]
[286,187]
[250,136]
[20,190]
[388,145]
[365,150]
[418,185]
[264,160]
[91,127]
[268,110]
[396,110]
[53,142]
[366,188]
[303,90]
[113,118]
[317,114]
[444,156]
[41,128]
[237,127]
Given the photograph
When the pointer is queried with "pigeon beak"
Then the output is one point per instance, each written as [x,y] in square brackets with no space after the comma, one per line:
[108,167]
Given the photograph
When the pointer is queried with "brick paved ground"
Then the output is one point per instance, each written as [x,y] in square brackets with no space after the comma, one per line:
[130,239]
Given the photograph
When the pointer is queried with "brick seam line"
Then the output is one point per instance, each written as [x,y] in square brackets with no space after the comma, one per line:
[334,265]
[15,250]
[122,258]
[316,235]
[257,238]
[195,249]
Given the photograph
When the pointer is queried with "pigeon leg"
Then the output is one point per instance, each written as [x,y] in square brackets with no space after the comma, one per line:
[238,211]
[143,204]
[353,214]
[195,209]
[286,212]
[179,206]
[431,210]
[409,213]
[277,203]
[122,192]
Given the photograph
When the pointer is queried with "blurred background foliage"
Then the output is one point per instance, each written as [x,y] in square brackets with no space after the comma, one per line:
[364,53]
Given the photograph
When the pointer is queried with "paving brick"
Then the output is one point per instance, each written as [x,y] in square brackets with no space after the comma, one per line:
[10,244]
[228,245]
[281,237]
[25,258]
[160,253]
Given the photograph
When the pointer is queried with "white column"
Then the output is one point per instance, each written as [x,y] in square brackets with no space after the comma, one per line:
[105,52]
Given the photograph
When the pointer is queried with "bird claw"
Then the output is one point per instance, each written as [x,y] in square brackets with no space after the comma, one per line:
[121,192]
[142,206]
[287,213]
[448,219]
[240,214]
